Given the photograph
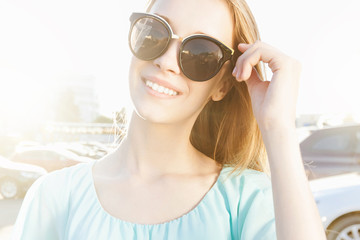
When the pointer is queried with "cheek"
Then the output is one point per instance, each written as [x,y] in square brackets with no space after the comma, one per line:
[134,72]
[135,88]
[134,67]
[201,92]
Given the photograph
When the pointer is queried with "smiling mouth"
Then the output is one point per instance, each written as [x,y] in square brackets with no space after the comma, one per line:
[161,89]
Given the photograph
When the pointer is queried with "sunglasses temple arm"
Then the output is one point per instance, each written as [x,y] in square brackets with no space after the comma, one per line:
[234,57]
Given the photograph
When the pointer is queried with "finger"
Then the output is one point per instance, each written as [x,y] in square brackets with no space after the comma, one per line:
[244,46]
[246,50]
[253,79]
[241,67]
[259,52]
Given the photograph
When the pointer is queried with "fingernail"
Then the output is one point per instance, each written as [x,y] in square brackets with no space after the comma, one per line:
[238,76]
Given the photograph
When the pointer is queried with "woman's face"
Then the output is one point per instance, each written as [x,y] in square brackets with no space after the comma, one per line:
[186,17]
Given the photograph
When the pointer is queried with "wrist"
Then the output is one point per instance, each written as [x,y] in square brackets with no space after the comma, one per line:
[278,134]
[277,126]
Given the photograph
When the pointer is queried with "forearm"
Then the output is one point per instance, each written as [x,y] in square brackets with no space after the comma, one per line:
[296,213]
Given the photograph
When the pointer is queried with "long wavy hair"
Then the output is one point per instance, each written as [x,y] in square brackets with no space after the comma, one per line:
[227,130]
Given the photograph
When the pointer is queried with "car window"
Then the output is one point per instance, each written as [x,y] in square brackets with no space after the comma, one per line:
[51,156]
[357,146]
[30,155]
[333,143]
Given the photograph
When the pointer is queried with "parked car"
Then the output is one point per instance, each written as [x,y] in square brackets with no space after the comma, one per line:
[97,149]
[338,201]
[50,158]
[332,151]
[16,178]
[92,150]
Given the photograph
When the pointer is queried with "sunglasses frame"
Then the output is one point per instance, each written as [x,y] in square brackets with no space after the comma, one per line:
[227,51]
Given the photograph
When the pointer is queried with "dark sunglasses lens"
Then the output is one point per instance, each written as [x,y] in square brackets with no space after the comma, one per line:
[200,59]
[148,38]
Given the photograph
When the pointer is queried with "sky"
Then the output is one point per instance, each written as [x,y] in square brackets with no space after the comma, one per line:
[45,42]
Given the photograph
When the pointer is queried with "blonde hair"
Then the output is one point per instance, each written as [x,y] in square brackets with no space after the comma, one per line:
[227,130]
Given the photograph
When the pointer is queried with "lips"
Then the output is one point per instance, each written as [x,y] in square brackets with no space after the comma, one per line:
[161,89]
[161,86]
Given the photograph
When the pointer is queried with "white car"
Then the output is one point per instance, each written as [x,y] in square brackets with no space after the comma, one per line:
[338,201]
[49,157]
[16,178]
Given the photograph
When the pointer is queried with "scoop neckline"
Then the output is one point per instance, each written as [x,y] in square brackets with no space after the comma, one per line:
[187,214]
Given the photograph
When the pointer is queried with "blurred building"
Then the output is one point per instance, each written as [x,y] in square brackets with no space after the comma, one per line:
[106,133]
[81,90]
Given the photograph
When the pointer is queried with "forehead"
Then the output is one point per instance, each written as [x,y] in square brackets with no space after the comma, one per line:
[186,17]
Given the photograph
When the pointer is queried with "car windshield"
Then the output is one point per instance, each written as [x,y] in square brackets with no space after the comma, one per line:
[46,153]
[5,162]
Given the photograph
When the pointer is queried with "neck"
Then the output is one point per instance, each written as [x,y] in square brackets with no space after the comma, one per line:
[157,149]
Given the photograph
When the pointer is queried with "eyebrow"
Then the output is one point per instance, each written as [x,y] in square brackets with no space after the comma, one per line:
[168,21]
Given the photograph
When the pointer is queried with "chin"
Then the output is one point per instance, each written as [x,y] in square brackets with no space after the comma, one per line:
[154,114]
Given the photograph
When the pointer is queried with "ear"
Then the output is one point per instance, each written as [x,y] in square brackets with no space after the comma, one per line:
[222,88]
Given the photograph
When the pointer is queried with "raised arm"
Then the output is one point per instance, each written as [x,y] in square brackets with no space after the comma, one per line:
[274,107]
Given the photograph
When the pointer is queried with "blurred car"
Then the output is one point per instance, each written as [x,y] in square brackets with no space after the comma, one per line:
[338,201]
[49,157]
[97,150]
[92,150]
[304,132]
[16,178]
[332,151]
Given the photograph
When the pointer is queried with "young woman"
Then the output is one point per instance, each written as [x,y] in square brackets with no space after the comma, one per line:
[193,163]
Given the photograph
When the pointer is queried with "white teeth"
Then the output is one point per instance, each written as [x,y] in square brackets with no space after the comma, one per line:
[160,89]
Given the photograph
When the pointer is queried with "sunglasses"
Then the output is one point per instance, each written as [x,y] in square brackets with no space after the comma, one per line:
[200,56]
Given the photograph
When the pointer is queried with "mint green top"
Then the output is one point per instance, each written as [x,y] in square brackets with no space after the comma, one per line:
[64,205]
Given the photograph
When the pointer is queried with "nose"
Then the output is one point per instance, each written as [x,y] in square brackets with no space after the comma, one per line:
[168,62]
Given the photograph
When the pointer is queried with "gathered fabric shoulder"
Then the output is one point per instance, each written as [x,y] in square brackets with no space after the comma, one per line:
[235,207]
